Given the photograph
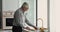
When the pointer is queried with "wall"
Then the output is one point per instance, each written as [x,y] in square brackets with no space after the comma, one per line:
[10,5]
[55,15]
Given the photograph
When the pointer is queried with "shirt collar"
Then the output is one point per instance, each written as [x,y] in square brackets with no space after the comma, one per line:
[21,11]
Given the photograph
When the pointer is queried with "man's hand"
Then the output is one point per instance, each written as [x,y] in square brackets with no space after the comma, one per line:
[27,28]
[35,28]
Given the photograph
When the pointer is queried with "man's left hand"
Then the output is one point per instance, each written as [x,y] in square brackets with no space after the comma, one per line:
[28,28]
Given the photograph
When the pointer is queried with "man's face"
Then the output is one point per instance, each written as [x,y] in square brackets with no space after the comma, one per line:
[25,8]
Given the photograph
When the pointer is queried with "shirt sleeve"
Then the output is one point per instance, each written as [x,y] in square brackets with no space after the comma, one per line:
[30,24]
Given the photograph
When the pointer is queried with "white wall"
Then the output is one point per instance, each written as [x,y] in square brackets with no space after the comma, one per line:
[55,15]
[9,5]
[52,16]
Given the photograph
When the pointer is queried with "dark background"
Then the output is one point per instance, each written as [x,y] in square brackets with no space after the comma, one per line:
[9,21]
[0,14]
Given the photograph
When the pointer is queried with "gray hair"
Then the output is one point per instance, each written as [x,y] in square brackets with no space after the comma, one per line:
[25,4]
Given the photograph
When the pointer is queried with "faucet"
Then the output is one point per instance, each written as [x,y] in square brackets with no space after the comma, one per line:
[42,28]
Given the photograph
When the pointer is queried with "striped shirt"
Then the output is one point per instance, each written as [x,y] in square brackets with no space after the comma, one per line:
[20,19]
